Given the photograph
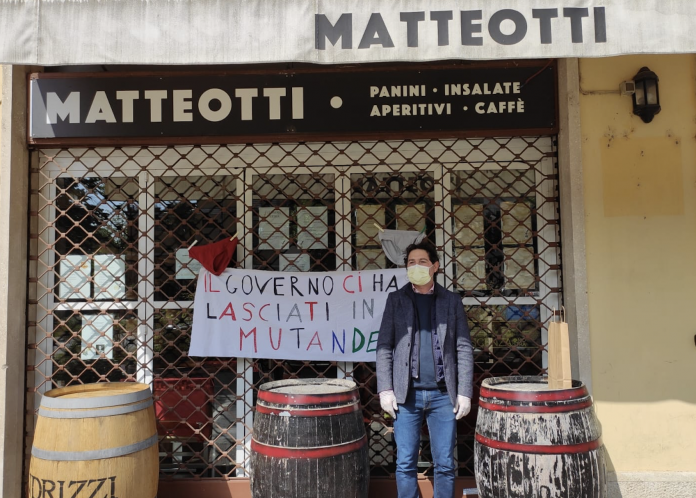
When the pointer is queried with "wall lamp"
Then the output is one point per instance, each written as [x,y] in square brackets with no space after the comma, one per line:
[646,97]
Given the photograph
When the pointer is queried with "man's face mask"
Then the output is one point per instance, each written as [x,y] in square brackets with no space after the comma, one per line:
[418,275]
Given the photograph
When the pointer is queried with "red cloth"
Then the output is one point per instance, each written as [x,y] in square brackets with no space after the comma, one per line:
[214,257]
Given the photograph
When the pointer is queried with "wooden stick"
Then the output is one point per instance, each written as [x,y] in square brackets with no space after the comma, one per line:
[234,236]
[379,227]
[194,243]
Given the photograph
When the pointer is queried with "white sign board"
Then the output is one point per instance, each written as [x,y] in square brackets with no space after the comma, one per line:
[186,267]
[109,276]
[76,270]
[330,316]
[274,227]
[97,337]
[339,31]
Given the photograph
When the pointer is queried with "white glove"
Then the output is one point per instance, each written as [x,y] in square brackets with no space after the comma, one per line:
[462,408]
[388,402]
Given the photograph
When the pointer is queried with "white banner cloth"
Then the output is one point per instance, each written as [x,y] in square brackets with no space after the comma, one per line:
[329,316]
[50,32]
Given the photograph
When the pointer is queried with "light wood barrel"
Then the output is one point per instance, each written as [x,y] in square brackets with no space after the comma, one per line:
[536,442]
[95,440]
[309,441]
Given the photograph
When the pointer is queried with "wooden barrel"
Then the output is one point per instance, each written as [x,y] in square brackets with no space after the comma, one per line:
[537,443]
[309,441]
[95,440]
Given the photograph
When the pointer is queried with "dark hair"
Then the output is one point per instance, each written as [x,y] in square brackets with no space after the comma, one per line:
[426,246]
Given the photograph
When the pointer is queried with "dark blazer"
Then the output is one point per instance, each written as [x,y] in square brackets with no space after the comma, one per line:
[395,341]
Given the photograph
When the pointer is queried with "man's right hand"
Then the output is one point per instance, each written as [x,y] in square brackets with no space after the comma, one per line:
[388,402]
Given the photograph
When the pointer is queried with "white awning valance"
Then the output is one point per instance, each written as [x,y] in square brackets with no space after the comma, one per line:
[56,32]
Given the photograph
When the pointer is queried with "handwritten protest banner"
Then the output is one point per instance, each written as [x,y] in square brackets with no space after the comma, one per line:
[330,316]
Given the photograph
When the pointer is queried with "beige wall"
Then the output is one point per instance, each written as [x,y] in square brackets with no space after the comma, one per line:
[640,205]
[14,199]
[0,101]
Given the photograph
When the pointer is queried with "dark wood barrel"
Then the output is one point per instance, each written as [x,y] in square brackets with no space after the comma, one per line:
[534,442]
[309,441]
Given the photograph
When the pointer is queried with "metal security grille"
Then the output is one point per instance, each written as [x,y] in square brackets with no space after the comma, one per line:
[112,286]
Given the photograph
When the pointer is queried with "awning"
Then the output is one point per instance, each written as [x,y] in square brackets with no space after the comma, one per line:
[56,32]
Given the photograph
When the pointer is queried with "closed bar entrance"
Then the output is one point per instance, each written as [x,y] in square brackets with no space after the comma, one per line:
[112,295]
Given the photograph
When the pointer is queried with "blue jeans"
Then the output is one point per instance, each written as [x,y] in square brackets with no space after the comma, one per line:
[437,408]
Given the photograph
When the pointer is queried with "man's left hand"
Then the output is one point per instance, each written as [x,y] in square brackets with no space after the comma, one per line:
[463,407]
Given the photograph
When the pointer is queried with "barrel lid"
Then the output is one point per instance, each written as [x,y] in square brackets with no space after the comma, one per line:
[96,395]
[529,388]
[522,383]
[309,386]
[309,392]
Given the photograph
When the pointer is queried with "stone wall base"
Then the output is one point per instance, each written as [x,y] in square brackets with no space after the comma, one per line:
[651,484]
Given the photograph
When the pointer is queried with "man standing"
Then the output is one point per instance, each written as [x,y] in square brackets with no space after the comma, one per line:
[425,370]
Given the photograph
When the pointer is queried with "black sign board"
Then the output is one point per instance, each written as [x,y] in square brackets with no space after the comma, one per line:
[283,105]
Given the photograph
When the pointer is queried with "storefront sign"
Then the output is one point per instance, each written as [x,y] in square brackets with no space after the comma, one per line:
[341,31]
[328,316]
[425,99]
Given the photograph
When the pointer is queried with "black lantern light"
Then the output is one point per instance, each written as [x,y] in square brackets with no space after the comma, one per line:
[646,99]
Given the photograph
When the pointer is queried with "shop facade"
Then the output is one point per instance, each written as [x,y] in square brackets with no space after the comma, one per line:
[115,289]
[109,288]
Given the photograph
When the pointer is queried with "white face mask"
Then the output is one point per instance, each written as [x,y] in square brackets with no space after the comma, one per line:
[418,275]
